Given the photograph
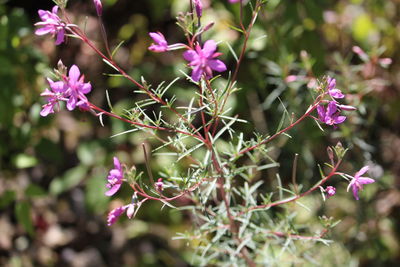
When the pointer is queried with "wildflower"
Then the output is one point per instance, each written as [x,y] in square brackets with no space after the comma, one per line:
[53,96]
[331,115]
[114,214]
[160,45]
[115,178]
[203,60]
[358,181]
[51,23]
[234,1]
[334,92]
[76,89]
[330,191]
[199,7]
[99,7]
[159,185]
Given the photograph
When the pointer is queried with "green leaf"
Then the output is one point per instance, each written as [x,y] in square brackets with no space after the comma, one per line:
[22,161]
[23,214]
[35,191]
[6,198]
[95,198]
[70,179]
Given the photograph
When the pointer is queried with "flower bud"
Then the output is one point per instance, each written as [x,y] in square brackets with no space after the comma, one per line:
[99,7]
[330,191]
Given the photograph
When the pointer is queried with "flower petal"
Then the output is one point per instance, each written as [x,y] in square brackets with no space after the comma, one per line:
[196,74]
[117,164]
[113,190]
[217,65]
[361,171]
[365,180]
[331,109]
[209,48]
[74,74]
[355,192]
[60,37]
[190,55]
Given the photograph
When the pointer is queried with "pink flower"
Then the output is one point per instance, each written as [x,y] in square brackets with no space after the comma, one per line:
[160,45]
[51,23]
[76,89]
[114,214]
[99,7]
[330,191]
[358,181]
[53,97]
[331,115]
[234,1]
[203,60]
[332,90]
[159,185]
[70,89]
[115,178]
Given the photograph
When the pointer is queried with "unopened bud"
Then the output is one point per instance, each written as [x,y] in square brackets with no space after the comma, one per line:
[99,7]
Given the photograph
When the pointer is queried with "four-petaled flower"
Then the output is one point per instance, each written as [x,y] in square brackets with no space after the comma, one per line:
[51,23]
[203,60]
[332,90]
[76,89]
[115,178]
[331,115]
[358,181]
[71,89]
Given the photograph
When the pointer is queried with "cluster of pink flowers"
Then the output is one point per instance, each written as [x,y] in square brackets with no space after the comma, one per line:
[331,114]
[202,60]
[71,89]
[52,24]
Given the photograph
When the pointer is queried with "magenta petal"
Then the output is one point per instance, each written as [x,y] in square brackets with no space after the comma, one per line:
[321,113]
[361,171]
[365,180]
[60,37]
[54,10]
[336,93]
[209,48]
[43,31]
[331,109]
[190,55]
[196,74]
[113,190]
[57,87]
[355,192]
[71,104]
[217,65]
[339,119]
[117,164]
[74,74]
[47,109]
[86,88]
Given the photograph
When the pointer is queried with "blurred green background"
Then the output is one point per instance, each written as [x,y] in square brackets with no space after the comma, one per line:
[52,173]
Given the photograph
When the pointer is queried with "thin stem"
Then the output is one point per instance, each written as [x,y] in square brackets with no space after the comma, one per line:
[305,115]
[84,38]
[141,124]
[291,199]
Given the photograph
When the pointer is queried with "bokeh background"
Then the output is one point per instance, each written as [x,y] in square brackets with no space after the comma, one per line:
[52,170]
